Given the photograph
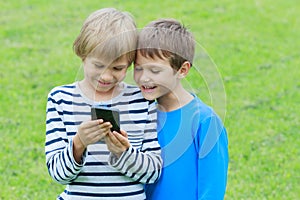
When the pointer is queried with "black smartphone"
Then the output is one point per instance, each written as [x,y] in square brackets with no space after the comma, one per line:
[108,115]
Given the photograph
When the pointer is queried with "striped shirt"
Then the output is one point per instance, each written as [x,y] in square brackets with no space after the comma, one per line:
[101,175]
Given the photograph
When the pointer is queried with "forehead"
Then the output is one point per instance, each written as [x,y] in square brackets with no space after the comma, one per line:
[120,61]
[149,61]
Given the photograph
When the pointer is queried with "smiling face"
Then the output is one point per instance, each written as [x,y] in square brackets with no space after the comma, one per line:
[102,78]
[154,76]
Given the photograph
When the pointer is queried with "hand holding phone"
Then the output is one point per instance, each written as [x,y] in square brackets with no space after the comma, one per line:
[108,115]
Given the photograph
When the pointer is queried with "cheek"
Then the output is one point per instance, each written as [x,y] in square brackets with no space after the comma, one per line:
[121,75]
[160,79]
[88,72]
[136,76]
[165,83]
[91,70]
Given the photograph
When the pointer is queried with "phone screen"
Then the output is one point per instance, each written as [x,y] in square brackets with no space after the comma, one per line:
[108,115]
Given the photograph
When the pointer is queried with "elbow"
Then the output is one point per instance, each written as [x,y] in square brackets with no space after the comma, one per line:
[56,176]
[154,177]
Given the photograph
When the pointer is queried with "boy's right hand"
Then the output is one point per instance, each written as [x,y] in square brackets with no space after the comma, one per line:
[90,132]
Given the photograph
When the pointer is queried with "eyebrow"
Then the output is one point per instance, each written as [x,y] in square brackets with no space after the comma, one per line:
[98,62]
[102,64]
[152,65]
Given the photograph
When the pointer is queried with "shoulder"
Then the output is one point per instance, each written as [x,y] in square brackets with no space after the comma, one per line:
[62,89]
[64,92]
[203,110]
[203,115]
[207,124]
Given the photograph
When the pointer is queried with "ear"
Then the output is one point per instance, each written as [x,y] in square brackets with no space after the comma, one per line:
[184,69]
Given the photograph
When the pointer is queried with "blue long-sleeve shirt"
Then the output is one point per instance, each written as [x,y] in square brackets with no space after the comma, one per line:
[195,153]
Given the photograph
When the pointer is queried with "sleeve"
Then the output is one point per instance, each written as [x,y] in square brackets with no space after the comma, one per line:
[61,164]
[142,165]
[212,159]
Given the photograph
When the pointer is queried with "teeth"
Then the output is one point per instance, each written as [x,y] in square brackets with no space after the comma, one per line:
[148,87]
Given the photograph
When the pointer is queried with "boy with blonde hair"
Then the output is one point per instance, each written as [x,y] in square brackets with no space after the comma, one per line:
[192,137]
[83,154]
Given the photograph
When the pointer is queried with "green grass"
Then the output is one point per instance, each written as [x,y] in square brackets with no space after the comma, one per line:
[254,49]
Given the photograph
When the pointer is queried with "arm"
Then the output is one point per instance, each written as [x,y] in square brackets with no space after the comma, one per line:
[142,165]
[65,156]
[61,164]
[212,160]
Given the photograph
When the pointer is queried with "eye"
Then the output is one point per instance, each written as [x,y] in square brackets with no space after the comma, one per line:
[119,68]
[138,68]
[99,66]
[155,71]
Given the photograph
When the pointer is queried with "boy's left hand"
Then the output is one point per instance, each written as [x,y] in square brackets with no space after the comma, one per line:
[117,143]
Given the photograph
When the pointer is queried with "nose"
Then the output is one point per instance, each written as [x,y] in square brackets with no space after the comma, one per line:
[105,75]
[144,77]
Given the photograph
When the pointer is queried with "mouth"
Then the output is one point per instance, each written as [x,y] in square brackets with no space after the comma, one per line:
[104,83]
[148,88]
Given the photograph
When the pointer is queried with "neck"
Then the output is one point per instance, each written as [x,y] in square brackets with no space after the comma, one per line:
[174,100]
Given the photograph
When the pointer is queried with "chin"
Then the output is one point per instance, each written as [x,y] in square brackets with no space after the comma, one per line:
[149,96]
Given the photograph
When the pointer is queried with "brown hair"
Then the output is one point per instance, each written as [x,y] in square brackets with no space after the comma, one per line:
[167,38]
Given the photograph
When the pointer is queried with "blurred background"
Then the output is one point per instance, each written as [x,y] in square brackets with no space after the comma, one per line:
[247,68]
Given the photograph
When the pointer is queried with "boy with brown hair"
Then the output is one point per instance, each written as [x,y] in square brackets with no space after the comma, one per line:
[192,136]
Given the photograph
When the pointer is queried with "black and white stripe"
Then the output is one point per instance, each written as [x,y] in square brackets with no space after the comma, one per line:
[100,175]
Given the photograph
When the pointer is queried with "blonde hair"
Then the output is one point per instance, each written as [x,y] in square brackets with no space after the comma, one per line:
[167,38]
[107,33]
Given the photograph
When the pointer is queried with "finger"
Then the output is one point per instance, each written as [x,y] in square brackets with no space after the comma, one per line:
[124,133]
[100,121]
[96,133]
[123,141]
[97,127]
[108,139]
[110,145]
[115,139]
[100,133]
[90,124]
[105,125]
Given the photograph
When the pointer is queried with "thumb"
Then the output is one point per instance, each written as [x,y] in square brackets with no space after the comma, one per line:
[124,133]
